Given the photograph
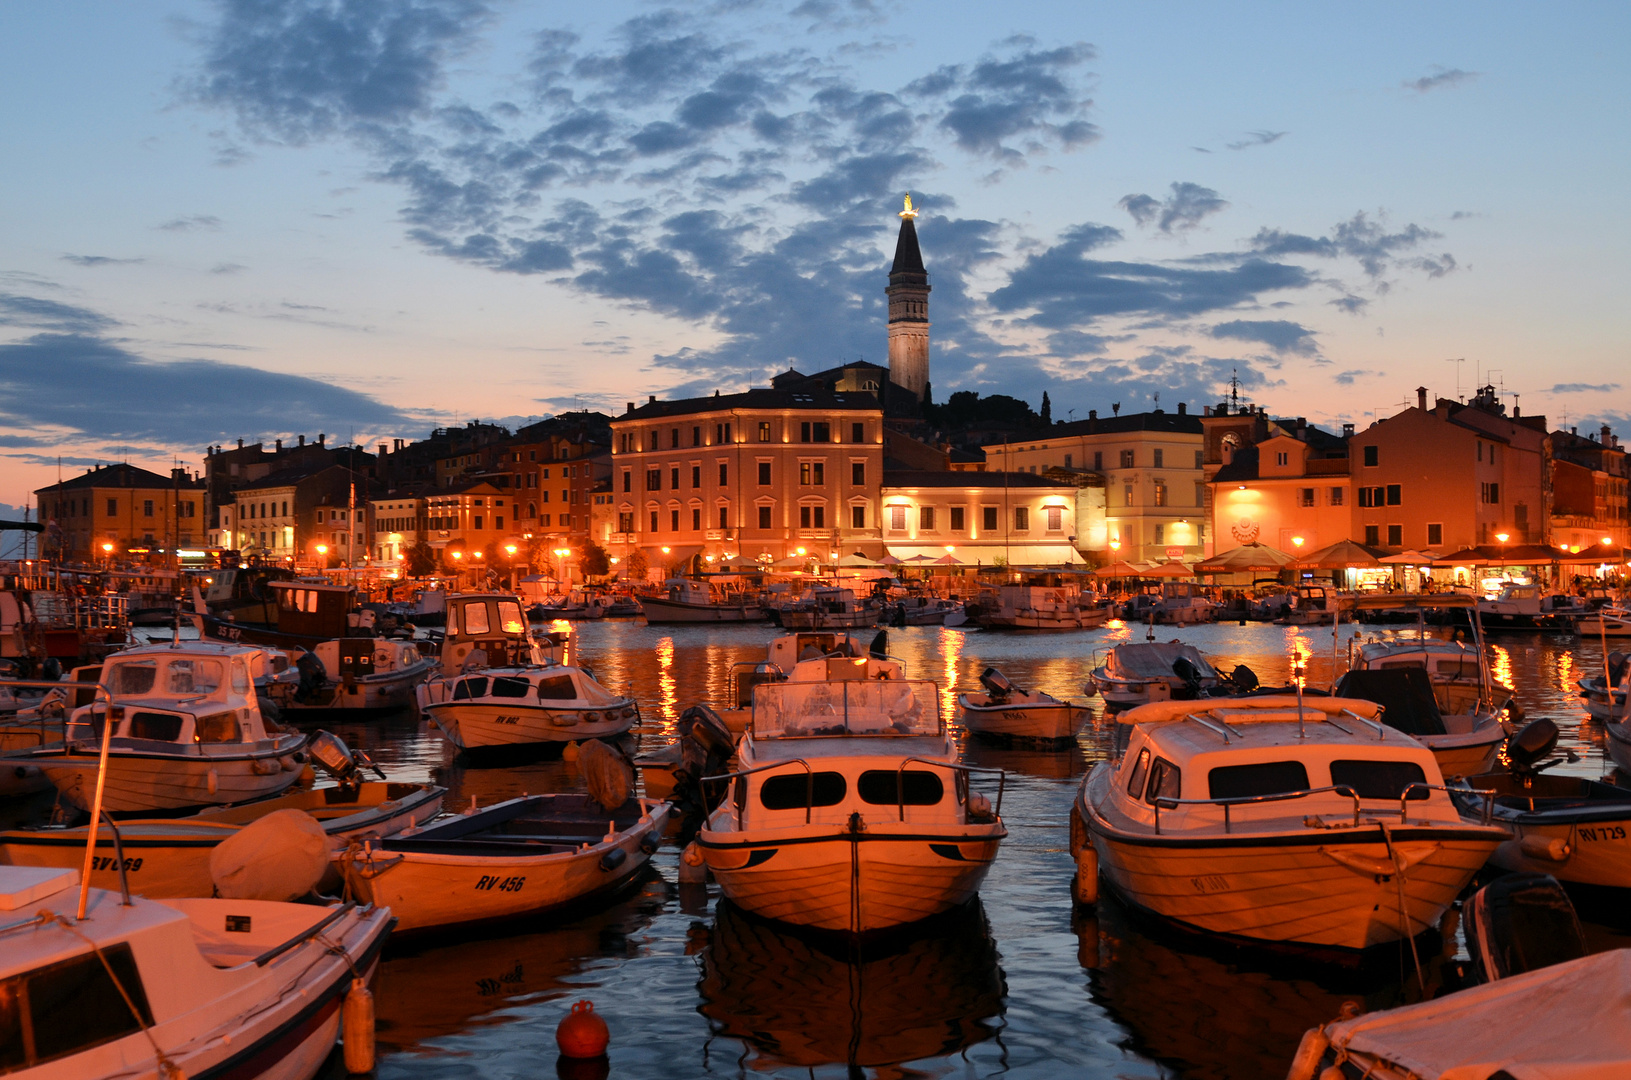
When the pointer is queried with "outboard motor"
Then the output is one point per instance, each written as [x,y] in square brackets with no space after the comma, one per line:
[880,645]
[705,750]
[1187,671]
[330,753]
[1521,922]
[1243,679]
[1526,749]
[313,676]
[996,684]
[1616,668]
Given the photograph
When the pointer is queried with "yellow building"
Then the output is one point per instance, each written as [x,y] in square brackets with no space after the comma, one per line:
[109,510]
[980,519]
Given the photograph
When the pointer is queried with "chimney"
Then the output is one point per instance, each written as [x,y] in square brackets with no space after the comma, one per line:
[1516,412]
[1092,414]
[278,443]
[1302,426]
[321,436]
[384,449]
[302,440]
[1347,431]
[629,406]
[1206,410]
[653,399]
[1421,398]
[1607,434]
[240,444]
[398,444]
[1183,408]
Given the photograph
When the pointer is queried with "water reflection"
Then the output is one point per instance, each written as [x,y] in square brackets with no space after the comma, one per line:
[797,1001]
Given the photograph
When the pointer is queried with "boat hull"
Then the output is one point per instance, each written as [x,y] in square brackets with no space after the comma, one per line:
[138,782]
[374,693]
[887,875]
[1052,722]
[1466,754]
[480,726]
[658,610]
[830,620]
[1618,744]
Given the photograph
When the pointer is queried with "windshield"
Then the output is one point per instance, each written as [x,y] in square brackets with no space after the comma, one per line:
[509,617]
[877,707]
[194,676]
[133,677]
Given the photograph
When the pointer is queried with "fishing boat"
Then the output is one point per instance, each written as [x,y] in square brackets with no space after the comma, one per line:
[523,856]
[686,601]
[1139,672]
[100,986]
[187,731]
[1604,695]
[849,812]
[546,706]
[353,676]
[1282,821]
[1006,711]
[1310,605]
[831,609]
[921,611]
[1608,621]
[491,630]
[1039,607]
[1464,744]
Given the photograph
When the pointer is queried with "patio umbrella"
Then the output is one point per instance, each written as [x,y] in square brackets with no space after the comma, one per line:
[920,559]
[889,560]
[1411,557]
[1170,569]
[1118,569]
[1594,553]
[856,559]
[1341,555]
[792,562]
[948,559]
[1245,557]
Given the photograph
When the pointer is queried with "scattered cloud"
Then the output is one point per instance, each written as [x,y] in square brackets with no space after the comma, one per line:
[33,313]
[99,260]
[1582,388]
[1278,334]
[195,223]
[1346,378]
[1185,208]
[227,268]
[1257,138]
[1442,79]
[1362,238]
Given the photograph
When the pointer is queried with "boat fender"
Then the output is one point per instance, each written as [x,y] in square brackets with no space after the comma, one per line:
[1309,1052]
[582,1033]
[648,843]
[357,1028]
[692,869]
[1078,831]
[1085,888]
[260,767]
[212,782]
[570,751]
[979,807]
[288,764]
[613,859]
[1550,848]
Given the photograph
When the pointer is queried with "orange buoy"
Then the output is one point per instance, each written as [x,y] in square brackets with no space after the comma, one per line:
[582,1033]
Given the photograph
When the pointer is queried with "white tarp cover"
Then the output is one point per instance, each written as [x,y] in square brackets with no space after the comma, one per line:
[1566,1022]
[280,857]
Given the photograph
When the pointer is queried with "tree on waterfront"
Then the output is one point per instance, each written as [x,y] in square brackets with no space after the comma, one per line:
[421,559]
[636,566]
[595,561]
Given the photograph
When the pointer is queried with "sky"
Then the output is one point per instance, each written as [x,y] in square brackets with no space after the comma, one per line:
[255,219]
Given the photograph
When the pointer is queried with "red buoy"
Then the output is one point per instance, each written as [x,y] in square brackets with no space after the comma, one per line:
[582,1033]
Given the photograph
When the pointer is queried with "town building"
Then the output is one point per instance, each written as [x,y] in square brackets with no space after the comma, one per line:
[1287,487]
[472,517]
[1590,478]
[112,509]
[980,519]
[314,515]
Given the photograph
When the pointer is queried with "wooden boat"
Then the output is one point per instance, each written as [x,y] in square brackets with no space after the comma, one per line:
[686,601]
[1139,672]
[216,988]
[523,856]
[850,811]
[1006,711]
[354,676]
[1575,829]
[188,732]
[525,706]
[831,609]
[170,857]
[1277,821]
[1463,744]
[491,630]
[1038,607]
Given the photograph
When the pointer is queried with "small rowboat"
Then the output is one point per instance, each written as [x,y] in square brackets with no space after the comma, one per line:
[522,856]
[1007,712]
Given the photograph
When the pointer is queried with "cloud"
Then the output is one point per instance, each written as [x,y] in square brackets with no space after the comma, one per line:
[99,260]
[1441,79]
[227,268]
[1257,138]
[1278,334]
[1346,378]
[1185,208]
[195,223]
[1362,238]
[1582,388]
[33,313]
[1028,93]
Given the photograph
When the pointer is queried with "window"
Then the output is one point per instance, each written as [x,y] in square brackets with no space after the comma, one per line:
[821,432]
[147,508]
[1199,461]
[723,473]
[764,474]
[893,787]
[1395,495]
[1370,457]
[1200,493]
[764,517]
[1435,534]
[1160,493]
[1282,457]
[1067,461]
[1160,534]
[1373,496]
[1373,535]
[857,432]
[1166,781]
[897,518]
[724,517]
[1160,458]
[764,431]
[66,1007]
[857,473]
[857,517]
[627,479]
[1056,518]
[812,517]
[625,521]
[674,439]
[1305,496]
[796,792]
[957,524]
[1489,493]
[696,476]
[475,522]
[1336,496]
[1141,768]
[1098,461]
[509,686]
[1126,459]
[1379,779]
[988,518]
[158,726]
[654,479]
[654,521]
[696,436]
[1127,495]
[113,507]
[925,519]
[674,521]
[1395,536]
[557,688]
[674,478]
[1022,518]
[812,473]
[651,440]
[804,431]
[1260,778]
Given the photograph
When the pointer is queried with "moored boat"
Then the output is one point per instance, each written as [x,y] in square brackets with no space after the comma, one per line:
[1006,711]
[355,676]
[1039,607]
[1463,744]
[686,601]
[1276,821]
[1139,672]
[831,609]
[525,706]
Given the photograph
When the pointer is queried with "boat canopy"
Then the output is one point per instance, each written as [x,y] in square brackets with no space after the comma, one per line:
[1154,660]
[860,707]
[1405,694]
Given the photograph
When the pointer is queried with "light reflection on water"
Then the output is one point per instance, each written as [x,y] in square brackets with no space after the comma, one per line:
[1028,992]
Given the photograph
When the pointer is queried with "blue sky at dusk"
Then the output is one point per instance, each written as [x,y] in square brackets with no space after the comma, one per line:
[256,219]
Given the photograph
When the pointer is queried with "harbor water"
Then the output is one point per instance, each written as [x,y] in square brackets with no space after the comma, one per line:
[1019,985]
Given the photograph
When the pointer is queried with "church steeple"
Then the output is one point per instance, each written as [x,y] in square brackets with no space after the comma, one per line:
[908,294]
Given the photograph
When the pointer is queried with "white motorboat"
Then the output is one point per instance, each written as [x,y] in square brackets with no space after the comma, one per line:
[1276,821]
[686,601]
[1006,711]
[850,812]
[1604,695]
[198,988]
[807,656]
[1039,607]
[524,856]
[831,609]
[187,732]
[1139,672]
[491,630]
[1606,622]
[353,675]
[1465,743]
[1310,605]
[525,706]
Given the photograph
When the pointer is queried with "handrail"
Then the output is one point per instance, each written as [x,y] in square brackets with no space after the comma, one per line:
[1245,800]
[900,779]
[809,780]
[1488,794]
[1211,725]
[305,935]
[1381,728]
[119,858]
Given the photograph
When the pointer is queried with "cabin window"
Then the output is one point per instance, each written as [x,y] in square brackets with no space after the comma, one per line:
[470,688]
[1135,783]
[794,792]
[475,619]
[1259,778]
[915,788]
[509,617]
[509,686]
[69,1006]
[221,727]
[557,688]
[1166,781]
[240,677]
[195,676]
[134,678]
[1379,779]
[165,727]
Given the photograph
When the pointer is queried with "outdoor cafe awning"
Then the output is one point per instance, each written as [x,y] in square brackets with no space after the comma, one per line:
[1501,555]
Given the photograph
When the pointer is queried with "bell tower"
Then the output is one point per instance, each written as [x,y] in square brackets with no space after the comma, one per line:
[908,294]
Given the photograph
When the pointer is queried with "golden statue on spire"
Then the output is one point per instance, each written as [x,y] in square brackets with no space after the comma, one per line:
[908,212]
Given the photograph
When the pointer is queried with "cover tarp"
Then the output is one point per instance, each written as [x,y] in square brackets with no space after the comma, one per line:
[1154,660]
[280,857]
[1405,694]
[1567,1022]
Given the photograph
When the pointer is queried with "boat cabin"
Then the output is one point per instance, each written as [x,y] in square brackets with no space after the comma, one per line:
[554,687]
[685,591]
[849,705]
[313,609]
[199,694]
[492,623]
[352,659]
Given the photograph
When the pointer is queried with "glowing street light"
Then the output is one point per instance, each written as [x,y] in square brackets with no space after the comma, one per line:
[1297,541]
